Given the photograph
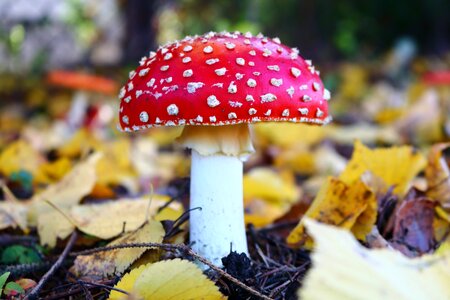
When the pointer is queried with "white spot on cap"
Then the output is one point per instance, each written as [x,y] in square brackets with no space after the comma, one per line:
[187,48]
[193,86]
[143,116]
[212,101]
[130,86]
[199,119]
[151,54]
[164,50]
[273,68]
[326,94]
[230,46]
[235,103]
[232,88]
[164,68]
[208,49]
[212,61]
[308,62]
[188,73]
[186,59]
[212,119]
[264,40]
[122,93]
[172,110]
[127,99]
[276,40]
[131,74]
[319,113]
[285,113]
[268,98]
[239,76]
[219,85]
[251,82]
[251,111]
[248,34]
[143,72]
[303,87]
[249,98]
[151,82]
[316,86]
[125,119]
[251,63]
[168,56]
[268,112]
[157,120]
[247,42]
[240,61]
[256,73]
[290,91]
[295,72]
[169,79]
[267,53]
[232,115]
[306,98]
[138,93]
[303,111]
[221,71]
[252,52]
[276,82]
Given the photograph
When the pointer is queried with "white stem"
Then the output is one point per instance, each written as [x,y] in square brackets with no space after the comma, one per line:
[216,187]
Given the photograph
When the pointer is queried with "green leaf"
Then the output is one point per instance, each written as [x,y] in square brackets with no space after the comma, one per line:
[13,286]
[18,254]
[3,279]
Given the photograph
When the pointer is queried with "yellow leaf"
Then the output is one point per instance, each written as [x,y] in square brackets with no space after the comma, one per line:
[53,225]
[114,166]
[175,279]
[126,283]
[117,261]
[13,215]
[80,143]
[300,161]
[109,219]
[265,183]
[437,174]
[343,269]
[18,156]
[69,191]
[347,206]
[397,166]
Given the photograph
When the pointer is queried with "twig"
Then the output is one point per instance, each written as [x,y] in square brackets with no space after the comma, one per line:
[34,293]
[103,286]
[183,248]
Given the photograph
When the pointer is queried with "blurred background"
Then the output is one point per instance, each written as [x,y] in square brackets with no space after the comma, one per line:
[377,57]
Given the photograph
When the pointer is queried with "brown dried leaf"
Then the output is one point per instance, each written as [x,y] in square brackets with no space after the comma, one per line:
[437,174]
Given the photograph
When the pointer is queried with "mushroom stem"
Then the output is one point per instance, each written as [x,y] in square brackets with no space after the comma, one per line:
[216,188]
[217,219]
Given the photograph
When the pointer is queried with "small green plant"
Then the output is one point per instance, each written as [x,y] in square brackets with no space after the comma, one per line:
[10,286]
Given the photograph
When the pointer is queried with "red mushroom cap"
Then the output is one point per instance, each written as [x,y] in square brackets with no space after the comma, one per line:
[222,79]
[437,78]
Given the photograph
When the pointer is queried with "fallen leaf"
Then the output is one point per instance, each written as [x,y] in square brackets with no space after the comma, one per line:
[343,269]
[397,166]
[413,229]
[268,195]
[347,206]
[175,279]
[107,263]
[53,225]
[69,190]
[109,219]
[50,172]
[13,215]
[437,174]
[126,283]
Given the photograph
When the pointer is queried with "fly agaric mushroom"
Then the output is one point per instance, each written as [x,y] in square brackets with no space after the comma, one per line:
[216,85]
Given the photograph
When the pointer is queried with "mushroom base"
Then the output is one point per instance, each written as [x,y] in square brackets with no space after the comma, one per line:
[216,188]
